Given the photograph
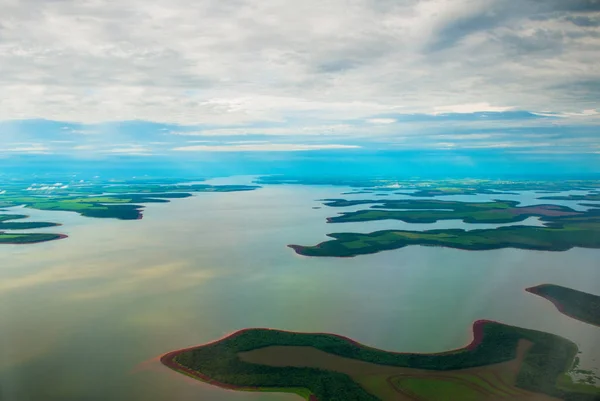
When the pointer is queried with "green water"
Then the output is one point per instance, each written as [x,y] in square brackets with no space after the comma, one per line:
[85,318]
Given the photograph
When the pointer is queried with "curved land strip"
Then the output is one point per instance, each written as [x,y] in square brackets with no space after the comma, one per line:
[28,238]
[575,304]
[6,223]
[519,237]
[502,362]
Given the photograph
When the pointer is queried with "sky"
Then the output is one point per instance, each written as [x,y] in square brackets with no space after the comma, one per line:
[174,79]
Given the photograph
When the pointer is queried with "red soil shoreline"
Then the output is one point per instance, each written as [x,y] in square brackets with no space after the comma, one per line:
[168,359]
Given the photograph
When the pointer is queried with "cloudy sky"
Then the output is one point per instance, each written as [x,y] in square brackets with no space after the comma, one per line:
[156,77]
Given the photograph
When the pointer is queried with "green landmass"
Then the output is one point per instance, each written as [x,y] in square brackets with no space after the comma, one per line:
[564,228]
[575,304]
[27,238]
[430,211]
[503,361]
[442,191]
[438,187]
[583,235]
[101,206]
[586,197]
[119,201]
[6,223]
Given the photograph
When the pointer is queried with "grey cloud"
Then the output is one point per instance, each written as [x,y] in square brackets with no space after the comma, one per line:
[586,91]
[541,41]
[502,13]
[569,5]
[584,21]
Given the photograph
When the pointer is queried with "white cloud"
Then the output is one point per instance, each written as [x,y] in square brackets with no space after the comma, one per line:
[84,147]
[469,108]
[466,136]
[381,120]
[268,147]
[583,113]
[276,60]
[31,149]
[281,130]
[133,150]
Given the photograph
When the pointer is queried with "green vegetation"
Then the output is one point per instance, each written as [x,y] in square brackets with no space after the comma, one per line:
[544,360]
[103,206]
[27,238]
[587,197]
[446,191]
[564,228]
[576,304]
[439,187]
[105,200]
[7,224]
[584,235]
[118,200]
[430,211]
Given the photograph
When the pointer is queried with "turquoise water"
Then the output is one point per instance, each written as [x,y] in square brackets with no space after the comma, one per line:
[85,318]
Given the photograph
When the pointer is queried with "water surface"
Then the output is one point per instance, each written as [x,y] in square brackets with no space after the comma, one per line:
[82,318]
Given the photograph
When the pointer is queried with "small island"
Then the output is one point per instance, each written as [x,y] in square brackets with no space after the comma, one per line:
[501,362]
[28,238]
[6,223]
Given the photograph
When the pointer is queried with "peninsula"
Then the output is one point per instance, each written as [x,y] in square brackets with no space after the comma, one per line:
[501,362]
[575,304]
